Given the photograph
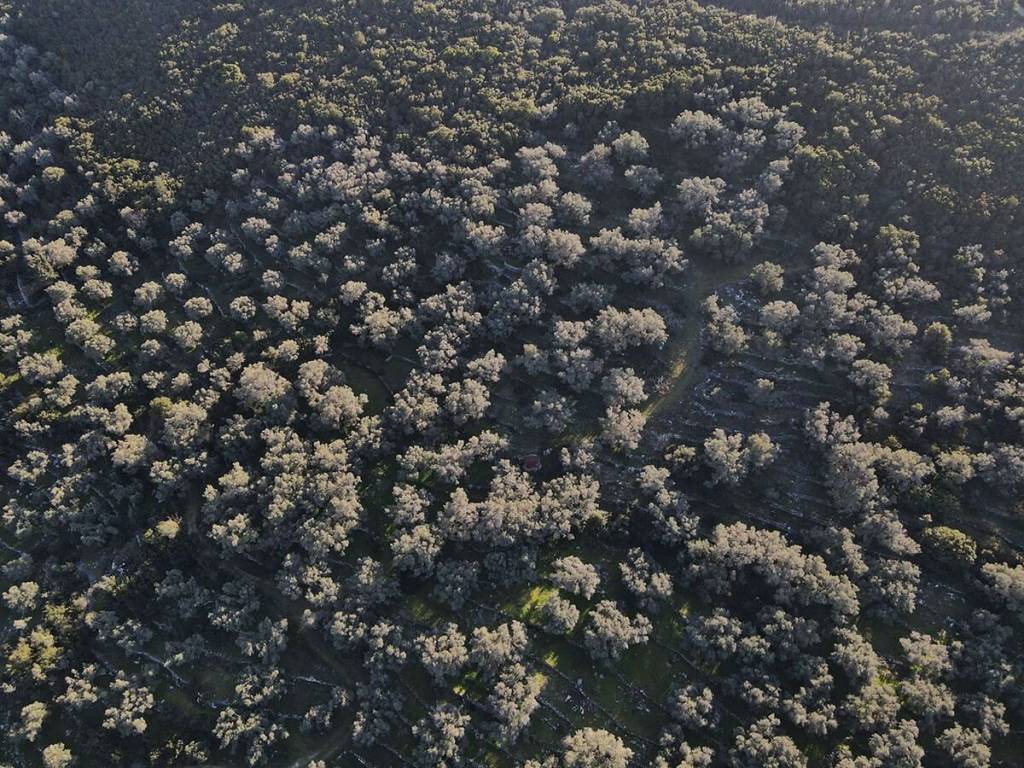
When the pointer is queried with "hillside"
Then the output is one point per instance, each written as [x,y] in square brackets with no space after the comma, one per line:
[520,384]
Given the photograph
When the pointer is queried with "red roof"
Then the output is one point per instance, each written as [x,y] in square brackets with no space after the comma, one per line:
[530,462]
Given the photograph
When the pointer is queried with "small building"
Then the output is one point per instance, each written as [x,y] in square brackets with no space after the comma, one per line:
[530,462]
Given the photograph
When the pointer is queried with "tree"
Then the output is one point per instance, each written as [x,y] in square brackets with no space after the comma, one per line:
[780,316]
[732,457]
[251,730]
[622,428]
[574,576]
[184,425]
[768,277]
[559,615]
[723,328]
[724,456]
[262,389]
[872,377]
[513,700]
[41,367]
[416,550]
[439,736]
[32,717]
[649,585]
[22,599]
[569,503]
[692,707]
[700,196]
[595,167]
[630,147]
[643,179]
[467,401]
[949,544]
[454,581]
[695,129]
[898,746]
[617,330]
[551,411]
[677,753]
[491,649]
[1006,584]
[340,408]
[594,748]
[609,633]
[443,652]
[57,756]
[735,553]
[965,746]
[622,387]
[938,340]
[135,701]
[928,700]
[761,746]
[574,208]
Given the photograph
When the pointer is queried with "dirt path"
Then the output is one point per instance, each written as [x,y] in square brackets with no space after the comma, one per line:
[686,348]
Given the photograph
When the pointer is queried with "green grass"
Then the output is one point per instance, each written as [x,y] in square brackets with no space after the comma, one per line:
[423,609]
[527,605]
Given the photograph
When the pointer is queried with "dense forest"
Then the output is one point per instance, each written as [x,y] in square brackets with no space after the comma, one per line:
[512,383]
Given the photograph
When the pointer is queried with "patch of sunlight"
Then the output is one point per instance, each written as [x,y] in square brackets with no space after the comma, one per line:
[527,606]
[421,609]
[540,678]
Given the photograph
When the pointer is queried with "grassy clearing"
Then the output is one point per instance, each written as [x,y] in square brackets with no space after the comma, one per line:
[684,349]
[527,605]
